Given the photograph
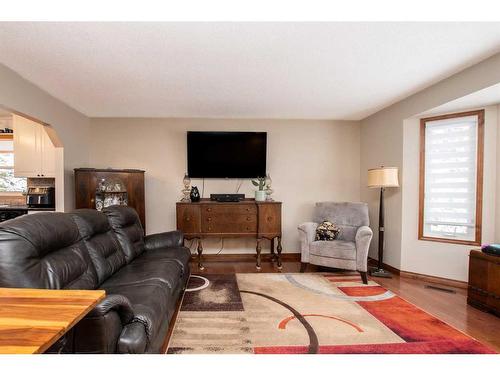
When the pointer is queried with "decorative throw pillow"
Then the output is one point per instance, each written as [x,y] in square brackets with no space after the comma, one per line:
[327,231]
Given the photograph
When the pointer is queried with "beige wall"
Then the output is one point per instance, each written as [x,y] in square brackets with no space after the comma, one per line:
[435,258]
[382,142]
[497,212]
[21,96]
[382,145]
[308,161]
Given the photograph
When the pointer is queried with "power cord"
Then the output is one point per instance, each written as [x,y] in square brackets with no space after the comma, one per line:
[238,186]
[221,246]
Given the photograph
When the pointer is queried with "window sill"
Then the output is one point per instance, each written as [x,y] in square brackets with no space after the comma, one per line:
[11,194]
[451,241]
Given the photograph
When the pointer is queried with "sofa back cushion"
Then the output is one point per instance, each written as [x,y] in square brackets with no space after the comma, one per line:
[101,241]
[349,216]
[128,229]
[44,250]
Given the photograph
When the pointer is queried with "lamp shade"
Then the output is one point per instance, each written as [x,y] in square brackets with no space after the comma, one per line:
[383,177]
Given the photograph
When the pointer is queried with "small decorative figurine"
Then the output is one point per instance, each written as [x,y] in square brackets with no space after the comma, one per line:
[268,190]
[187,189]
[195,194]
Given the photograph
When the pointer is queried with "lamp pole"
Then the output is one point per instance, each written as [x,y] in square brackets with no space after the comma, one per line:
[379,271]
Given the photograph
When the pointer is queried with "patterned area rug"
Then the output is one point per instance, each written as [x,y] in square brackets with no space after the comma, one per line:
[306,313]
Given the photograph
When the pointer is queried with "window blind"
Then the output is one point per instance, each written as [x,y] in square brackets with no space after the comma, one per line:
[450,178]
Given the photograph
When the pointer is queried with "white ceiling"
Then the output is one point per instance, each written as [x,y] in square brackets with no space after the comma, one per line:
[240,70]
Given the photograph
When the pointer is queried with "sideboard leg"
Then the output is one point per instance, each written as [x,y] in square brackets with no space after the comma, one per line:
[258,249]
[200,252]
[273,254]
[279,248]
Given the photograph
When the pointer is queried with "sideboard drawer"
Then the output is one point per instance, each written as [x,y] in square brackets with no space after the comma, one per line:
[229,209]
[188,218]
[230,222]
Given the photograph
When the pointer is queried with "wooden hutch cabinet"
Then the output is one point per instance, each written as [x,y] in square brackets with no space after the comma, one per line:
[484,282]
[87,181]
[247,218]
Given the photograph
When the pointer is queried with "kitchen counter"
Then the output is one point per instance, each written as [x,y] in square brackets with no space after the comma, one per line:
[24,207]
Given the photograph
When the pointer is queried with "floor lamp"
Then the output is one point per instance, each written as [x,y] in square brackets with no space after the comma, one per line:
[382,178]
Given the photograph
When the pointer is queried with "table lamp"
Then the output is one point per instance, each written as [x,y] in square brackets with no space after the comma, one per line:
[383,177]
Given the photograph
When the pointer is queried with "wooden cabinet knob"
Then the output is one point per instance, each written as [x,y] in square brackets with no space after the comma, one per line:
[209,219]
[249,218]
[209,209]
[188,218]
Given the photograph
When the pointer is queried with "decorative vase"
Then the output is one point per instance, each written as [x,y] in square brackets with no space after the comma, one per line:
[195,194]
[260,195]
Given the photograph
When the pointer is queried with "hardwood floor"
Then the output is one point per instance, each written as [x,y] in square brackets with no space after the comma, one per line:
[451,308]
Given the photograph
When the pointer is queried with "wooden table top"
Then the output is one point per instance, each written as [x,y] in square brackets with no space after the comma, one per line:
[31,320]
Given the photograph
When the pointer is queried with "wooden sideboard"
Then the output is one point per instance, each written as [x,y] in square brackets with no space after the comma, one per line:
[484,282]
[247,218]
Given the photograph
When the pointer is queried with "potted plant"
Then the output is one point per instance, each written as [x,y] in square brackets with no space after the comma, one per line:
[260,195]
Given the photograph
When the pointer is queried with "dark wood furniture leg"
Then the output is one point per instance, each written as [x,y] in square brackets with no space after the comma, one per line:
[303,267]
[279,248]
[200,252]
[258,249]
[273,254]
[363,277]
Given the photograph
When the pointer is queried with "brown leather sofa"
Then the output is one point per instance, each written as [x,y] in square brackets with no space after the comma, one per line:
[144,276]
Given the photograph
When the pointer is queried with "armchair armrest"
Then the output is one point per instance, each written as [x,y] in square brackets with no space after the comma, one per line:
[166,239]
[363,238]
[307,233]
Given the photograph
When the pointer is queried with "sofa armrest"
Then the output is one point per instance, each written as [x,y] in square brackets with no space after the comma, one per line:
[114,302]
[133,339]
[364,236]
[307,233]
[166,239]
[105,328]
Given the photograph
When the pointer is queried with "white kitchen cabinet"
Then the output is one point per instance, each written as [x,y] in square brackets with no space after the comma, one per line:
[34,152]
[48,155]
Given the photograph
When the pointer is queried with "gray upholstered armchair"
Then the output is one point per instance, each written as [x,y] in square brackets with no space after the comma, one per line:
[350,250]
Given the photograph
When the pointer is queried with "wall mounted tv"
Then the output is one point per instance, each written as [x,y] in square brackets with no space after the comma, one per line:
[226,154]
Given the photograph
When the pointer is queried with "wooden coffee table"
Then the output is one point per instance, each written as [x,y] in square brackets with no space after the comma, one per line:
[31,320]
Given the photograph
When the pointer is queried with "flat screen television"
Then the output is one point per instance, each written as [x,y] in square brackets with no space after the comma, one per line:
[226,154]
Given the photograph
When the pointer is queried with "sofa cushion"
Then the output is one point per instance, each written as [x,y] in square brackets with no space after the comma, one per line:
[165,274]
[100,239]
[334,249]
[179,255]
[44,250]
[128,229]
